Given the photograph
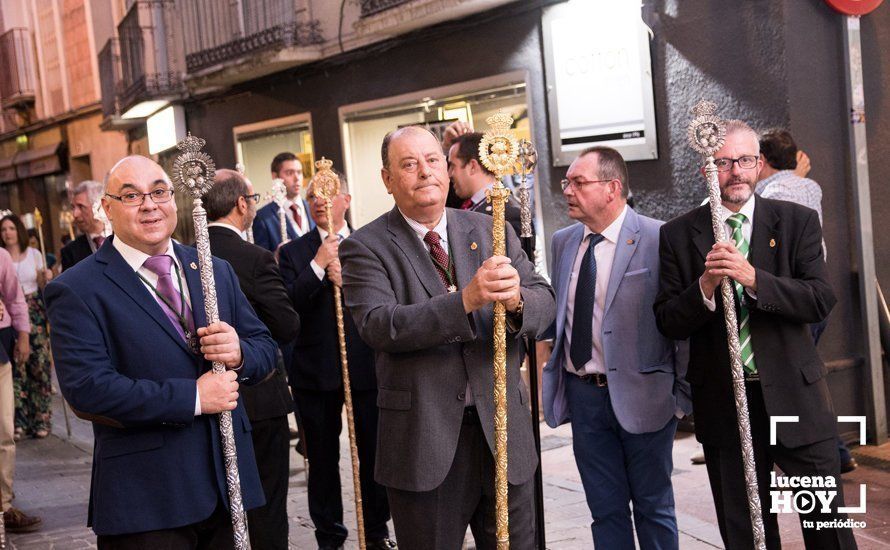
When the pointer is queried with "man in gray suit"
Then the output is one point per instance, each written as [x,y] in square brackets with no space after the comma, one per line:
[420,282]
[617,379]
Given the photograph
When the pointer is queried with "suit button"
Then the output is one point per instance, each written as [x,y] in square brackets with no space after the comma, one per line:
[457,338]
[461,396]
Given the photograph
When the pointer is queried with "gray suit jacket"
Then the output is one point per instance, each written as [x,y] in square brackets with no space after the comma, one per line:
[427,346]
[645,370]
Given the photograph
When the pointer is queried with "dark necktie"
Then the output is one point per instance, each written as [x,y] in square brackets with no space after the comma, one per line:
[298,220]
[98,240]
[440,258]
[581,348]
[172,300]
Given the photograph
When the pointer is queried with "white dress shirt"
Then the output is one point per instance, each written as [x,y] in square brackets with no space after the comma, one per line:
[135,259]
[317,269]
[747,228]
[605,255]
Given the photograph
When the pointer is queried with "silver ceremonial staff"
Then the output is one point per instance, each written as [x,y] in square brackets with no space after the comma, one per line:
[193,172]
[706,135]
[279,197]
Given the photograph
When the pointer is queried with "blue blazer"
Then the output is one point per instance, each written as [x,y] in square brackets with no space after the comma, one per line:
[645,370]
[121,363]
[267,228]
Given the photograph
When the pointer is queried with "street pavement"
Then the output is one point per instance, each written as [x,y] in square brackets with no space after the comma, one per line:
[53,477]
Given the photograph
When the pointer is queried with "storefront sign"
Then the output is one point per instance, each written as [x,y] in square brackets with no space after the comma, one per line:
[599,79]
[165,129]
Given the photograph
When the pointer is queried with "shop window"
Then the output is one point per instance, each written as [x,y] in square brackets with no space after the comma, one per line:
[257,144]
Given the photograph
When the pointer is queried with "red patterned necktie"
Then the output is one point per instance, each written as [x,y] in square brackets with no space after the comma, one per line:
[298,220]
[467,204]
[98,239]
[440,257]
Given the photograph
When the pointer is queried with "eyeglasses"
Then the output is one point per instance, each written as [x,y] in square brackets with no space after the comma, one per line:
[578,184]
[745,162]
[255,197]
[132,198]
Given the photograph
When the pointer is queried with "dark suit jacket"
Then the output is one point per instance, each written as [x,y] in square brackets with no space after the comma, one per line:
[75,251]
[512,212]
[428,347]
[316,358]
[119,358]
[261,282]
[267,228]
[792,291]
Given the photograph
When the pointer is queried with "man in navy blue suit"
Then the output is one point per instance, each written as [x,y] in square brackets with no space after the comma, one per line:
[611,374]
[266,227]
[311,268]
[132,351]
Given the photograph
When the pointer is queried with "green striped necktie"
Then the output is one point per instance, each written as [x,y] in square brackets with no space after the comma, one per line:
[735,222]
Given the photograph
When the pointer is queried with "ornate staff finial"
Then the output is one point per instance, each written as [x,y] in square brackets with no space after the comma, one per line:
[325,182]
[498,149]
[707,131]
[278,193]
[193,170]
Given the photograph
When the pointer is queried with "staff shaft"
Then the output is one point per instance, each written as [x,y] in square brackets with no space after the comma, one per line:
[498,197]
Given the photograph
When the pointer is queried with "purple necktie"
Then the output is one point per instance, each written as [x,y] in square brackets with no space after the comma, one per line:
[160,265]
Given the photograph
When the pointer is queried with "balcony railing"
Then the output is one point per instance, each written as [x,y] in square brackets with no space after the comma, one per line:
[218,31]
[372,7]
[151,53]
[17,71]
[110,77]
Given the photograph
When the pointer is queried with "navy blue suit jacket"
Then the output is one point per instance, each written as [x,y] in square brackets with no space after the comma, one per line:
[267,228]
[316,358]
[121,362]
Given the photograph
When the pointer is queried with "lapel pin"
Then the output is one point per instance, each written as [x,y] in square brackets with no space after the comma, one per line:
[473,246]
[630,241]
[193,265]
[772,243]
[488,208]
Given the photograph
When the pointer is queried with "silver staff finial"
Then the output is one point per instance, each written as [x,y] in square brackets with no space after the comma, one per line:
[706,131]
[193,170]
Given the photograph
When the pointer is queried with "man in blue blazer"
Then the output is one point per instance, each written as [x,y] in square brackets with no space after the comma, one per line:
[132,351]
[612,374]
[266,226]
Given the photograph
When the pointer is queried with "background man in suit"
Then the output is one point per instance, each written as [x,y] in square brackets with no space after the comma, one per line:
[775,262]
[86,194]
[122,323]
[231,207]
[611,373]
[311,269]
[420,282]
[266,227]
[15,329]
[471,179]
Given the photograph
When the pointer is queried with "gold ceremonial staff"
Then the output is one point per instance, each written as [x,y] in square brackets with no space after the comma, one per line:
[326,185]
[706,135]
[498,151]
[193,172]
[67,218]
[38,221]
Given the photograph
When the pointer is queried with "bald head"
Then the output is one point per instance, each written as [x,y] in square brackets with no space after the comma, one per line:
[402,133]
[127,166]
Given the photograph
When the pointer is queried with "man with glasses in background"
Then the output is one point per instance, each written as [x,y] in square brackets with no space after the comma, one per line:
[92,231]
[231,207]
[774,260]
[132,351]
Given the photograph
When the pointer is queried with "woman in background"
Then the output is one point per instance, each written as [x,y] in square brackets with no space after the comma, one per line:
[31,375]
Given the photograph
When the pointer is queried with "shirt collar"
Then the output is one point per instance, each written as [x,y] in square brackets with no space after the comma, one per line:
[480,194]
[781,174]
[747,209]
[610,233]
[227,226]
[135,258]
[421,230]
[344,232]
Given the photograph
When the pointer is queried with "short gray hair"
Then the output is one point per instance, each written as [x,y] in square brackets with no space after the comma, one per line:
[92,188]
[228,187]
[735,125]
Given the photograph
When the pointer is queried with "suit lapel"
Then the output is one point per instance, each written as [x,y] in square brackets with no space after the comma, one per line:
[466,260]
[564,272]
[188,257]
[414,251]
[628,239]
[704,240]
[122,275]
[764,236]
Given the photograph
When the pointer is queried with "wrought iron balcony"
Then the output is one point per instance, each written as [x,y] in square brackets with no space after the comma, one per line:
[222,31]
[373,7]
[17,70]
[151,53]
[110,77]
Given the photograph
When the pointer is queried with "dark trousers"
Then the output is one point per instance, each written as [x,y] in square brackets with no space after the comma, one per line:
[438,519]
[267,524]
[213,533]
[726,475]
[617,468]
[320,412]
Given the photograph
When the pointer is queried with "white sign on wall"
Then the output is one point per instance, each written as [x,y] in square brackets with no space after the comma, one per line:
[599,79]
[165,129]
